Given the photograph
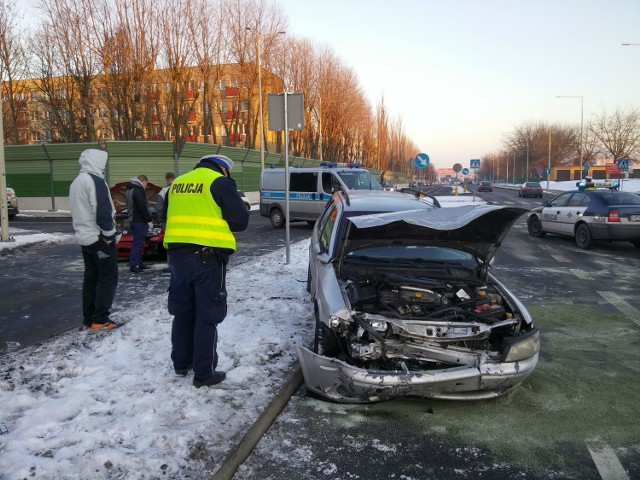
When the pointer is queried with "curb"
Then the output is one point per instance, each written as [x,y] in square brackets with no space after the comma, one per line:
[241,451]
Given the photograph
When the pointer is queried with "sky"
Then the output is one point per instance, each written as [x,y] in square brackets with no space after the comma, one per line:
[463,74]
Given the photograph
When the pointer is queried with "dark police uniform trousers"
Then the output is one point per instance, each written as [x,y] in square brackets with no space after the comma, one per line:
[198,302]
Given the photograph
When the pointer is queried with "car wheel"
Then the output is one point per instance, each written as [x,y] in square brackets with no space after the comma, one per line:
[519,194]
[277,218]
[535,227]
[324,341]
[583,236]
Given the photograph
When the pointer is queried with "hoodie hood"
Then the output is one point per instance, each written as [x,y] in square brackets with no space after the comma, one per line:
[135,182]
[93,161]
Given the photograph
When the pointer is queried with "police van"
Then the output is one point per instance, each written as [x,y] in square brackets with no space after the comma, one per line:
[309,189]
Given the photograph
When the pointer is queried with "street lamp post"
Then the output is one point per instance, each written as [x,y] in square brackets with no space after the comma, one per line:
[258,48]
[581,123]
[527,174]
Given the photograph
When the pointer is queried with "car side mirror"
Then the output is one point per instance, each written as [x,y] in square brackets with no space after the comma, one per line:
[545,204]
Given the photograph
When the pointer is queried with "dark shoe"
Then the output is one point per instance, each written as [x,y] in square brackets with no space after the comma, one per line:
[104,326]
[216,379]
[144,267]
[135,270]
[182,372]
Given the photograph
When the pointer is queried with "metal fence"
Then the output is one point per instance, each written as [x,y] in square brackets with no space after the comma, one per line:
[48,169]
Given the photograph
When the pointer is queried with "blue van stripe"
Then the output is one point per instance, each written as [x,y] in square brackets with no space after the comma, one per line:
[271,195]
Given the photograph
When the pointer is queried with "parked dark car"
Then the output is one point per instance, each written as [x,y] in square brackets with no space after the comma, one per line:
[155,236]
[589,215]
[530,189]
[404,303]
[485,186]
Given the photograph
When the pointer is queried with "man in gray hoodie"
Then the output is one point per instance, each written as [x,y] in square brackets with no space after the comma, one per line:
[93,216]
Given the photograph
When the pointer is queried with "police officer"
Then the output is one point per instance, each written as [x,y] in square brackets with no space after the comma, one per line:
[203,209]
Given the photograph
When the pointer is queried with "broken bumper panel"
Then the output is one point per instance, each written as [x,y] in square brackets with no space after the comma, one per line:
[344,383]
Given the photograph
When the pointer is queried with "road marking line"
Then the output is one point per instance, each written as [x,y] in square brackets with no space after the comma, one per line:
[607,463]
[581,274]
[552,252]
[621,304]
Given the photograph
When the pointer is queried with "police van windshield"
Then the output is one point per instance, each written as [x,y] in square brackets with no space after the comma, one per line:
[359,180]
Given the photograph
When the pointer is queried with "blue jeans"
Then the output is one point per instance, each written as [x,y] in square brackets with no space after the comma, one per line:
[198,302]
[100,281]
[139,231]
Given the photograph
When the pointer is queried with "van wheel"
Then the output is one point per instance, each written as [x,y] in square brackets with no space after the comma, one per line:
[277,218]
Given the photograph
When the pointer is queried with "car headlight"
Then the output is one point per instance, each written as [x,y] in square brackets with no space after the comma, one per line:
[522,347]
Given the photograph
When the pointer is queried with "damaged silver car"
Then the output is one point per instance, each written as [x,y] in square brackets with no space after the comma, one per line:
[404,302]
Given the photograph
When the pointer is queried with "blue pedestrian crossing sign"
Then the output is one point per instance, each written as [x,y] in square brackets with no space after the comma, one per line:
[623,164]
[475,163]
[422,160]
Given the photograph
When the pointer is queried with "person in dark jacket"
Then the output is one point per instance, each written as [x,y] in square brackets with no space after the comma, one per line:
[139,219]
[203,209]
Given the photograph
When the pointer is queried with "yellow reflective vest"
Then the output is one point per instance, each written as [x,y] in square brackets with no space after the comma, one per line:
[193,215]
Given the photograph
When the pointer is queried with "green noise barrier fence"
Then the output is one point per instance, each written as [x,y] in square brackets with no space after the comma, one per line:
[48,169]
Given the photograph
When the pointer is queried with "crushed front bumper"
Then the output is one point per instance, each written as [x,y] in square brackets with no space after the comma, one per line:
[344,383]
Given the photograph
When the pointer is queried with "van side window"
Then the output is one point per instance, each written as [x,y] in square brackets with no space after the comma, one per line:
[327,182]
[303,182]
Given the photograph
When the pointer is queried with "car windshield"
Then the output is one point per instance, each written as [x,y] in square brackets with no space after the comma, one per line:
[412,253]
[620,198]
[359,180]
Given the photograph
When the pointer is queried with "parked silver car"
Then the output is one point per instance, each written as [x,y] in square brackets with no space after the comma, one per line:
[404,303]
[12,203]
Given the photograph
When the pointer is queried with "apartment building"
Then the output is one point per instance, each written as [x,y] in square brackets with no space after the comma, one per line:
[218,104]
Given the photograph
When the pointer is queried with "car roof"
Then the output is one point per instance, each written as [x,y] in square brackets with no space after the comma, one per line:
[611,197]
[363,201]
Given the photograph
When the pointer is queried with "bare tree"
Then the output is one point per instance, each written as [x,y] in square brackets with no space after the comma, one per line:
[210,52]
[72,27]
[619,132]
[13,68]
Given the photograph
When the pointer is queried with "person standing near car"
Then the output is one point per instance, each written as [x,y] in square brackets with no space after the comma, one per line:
[139,219]
[93,217]
[203,209]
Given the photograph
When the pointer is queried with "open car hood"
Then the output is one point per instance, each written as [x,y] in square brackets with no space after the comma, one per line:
[478,229]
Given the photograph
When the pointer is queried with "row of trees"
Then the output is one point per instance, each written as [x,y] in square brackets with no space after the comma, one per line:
[82,47]
[606,137]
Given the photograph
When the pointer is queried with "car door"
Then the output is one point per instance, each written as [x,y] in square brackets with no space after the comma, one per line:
[553,214]
[572,212]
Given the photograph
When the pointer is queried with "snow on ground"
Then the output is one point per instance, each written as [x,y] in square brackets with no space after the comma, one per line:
[108,404]
[20,238]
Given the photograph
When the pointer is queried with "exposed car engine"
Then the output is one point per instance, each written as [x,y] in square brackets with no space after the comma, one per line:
[398,318]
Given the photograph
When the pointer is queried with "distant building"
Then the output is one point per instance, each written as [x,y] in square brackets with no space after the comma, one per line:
[158,106]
